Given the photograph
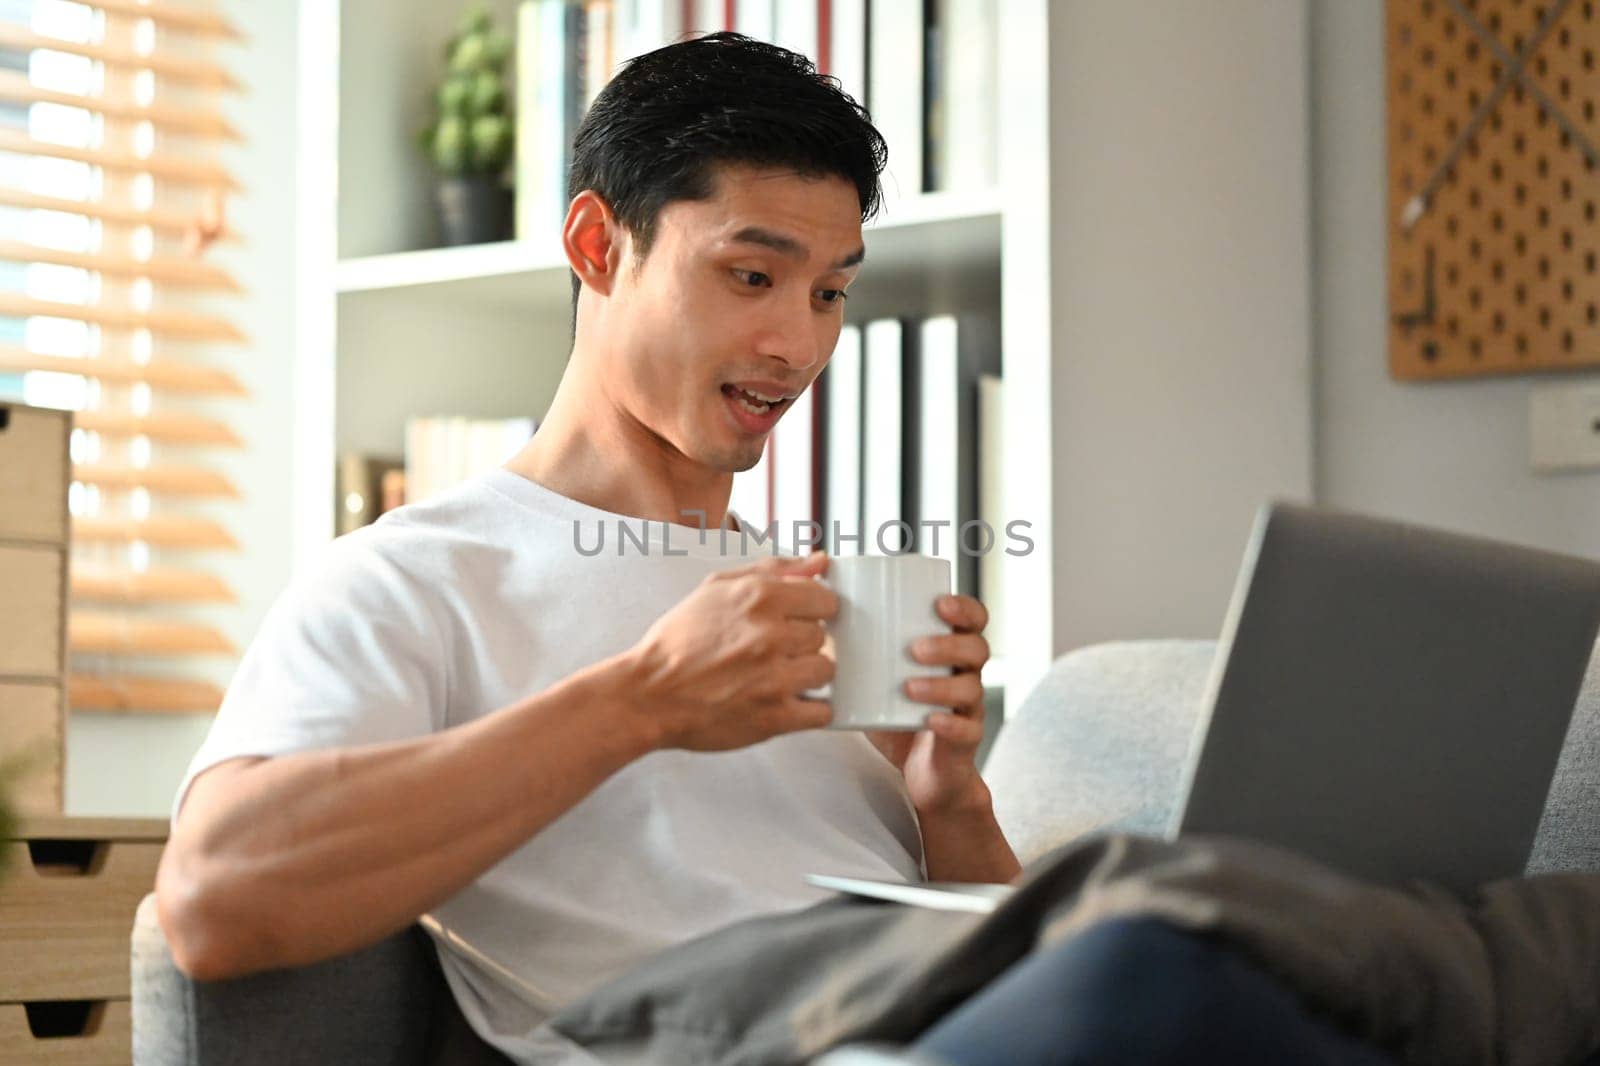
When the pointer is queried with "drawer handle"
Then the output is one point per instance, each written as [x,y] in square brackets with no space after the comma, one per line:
[67,858]
[5,418]
[65,1018]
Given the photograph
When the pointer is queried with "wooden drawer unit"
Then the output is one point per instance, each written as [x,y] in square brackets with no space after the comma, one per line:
[92,1033]
[34,473]
[33,624]
[31,730]
[67,903]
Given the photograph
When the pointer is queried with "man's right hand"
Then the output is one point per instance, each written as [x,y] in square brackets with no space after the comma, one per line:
[725,667]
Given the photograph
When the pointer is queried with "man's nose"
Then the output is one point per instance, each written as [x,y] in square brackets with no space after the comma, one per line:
[790,335]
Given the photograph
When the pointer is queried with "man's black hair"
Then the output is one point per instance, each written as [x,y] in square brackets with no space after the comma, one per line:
[658,131]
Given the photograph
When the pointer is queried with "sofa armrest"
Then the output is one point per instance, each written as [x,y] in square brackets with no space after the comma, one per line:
[386,1005]
[1099,744]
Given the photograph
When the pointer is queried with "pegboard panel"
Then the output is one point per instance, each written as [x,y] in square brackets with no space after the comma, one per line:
[1493,239]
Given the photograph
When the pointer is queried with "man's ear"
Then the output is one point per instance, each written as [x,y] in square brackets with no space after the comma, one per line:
[593,241]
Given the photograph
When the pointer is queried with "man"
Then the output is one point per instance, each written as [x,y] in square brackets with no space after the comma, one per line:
[459,712]
[574,761]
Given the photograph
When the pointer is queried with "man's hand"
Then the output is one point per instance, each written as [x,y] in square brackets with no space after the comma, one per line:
[939,761]
[725,667]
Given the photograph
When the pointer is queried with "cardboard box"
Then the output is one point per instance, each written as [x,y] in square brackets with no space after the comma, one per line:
[31,727]
[35,471]
[32,626]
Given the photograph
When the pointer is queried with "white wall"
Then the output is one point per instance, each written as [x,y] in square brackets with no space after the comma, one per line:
[1453,454]
[1181,270]
[131,765]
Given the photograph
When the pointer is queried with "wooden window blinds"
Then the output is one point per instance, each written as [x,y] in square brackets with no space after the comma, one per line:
[111,193]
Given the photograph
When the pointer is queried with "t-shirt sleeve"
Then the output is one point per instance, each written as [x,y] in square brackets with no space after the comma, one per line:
[351,653]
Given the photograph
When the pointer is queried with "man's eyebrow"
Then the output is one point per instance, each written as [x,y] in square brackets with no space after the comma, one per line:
[785,245]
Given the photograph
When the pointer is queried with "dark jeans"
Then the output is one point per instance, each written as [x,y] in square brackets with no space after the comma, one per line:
[1138,991]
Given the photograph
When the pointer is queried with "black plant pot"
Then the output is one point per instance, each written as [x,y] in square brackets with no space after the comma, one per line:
[474,210]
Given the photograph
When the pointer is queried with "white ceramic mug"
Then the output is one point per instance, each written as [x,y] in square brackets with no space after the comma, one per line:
[885,603]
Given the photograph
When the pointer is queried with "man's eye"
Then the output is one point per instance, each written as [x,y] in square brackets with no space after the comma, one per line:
[833,296]
[753,278]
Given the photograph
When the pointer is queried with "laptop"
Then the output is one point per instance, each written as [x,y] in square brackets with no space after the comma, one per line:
[1388,699]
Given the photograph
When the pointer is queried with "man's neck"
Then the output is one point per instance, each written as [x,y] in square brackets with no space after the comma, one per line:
[602,466]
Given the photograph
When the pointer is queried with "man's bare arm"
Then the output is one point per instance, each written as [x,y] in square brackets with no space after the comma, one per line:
[289,860]
[286,861]
[966,844]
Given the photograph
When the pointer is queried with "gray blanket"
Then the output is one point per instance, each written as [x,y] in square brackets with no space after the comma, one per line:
[1510,976]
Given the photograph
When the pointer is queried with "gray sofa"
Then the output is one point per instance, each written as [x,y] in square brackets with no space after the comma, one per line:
[1098,744]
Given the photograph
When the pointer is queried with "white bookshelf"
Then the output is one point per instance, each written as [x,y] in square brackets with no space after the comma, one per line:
[391,326]
[937,250]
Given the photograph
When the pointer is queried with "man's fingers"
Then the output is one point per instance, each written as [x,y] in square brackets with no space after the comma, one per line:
[957,730]
[805,599]
[802,637]
[958,690]
[965,651]
[792,565]
[803,672]
[964,613]
[797,712]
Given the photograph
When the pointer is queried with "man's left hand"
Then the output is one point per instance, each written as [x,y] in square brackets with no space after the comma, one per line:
[939,761]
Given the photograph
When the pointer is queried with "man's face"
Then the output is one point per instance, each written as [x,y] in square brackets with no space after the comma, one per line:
[737,304]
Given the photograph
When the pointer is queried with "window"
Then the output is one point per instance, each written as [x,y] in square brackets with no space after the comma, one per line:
[111,199]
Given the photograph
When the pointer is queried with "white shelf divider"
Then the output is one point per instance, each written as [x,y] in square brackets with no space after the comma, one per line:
[434,266]
[937,237]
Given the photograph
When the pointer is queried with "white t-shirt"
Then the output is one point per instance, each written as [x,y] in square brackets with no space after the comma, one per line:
[444,611]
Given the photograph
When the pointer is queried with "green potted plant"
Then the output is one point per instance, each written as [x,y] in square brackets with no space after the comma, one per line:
[471,138]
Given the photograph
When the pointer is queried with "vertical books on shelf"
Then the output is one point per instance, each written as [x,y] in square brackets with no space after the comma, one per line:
[992,506]
[442,452]
[928,74]
[906,439]
[366,487]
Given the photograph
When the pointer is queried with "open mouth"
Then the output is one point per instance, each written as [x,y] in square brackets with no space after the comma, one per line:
[755,412]
[754,402]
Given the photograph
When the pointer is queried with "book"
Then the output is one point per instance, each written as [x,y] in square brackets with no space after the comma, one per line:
[945,459]
[706,16]
[359,486]
[750,498]
[527,166]
[841,383]
[992,506]
[847,47]
[934,142]
[894,92]
[551,36]
[442,452]
[574,94]
[794,26]
[883,447]
[599,60]
[419,458]
[966,126]
[645,25]
[793,454]
[754,18]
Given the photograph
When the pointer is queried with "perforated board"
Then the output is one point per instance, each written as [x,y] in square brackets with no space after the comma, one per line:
[1497,273]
